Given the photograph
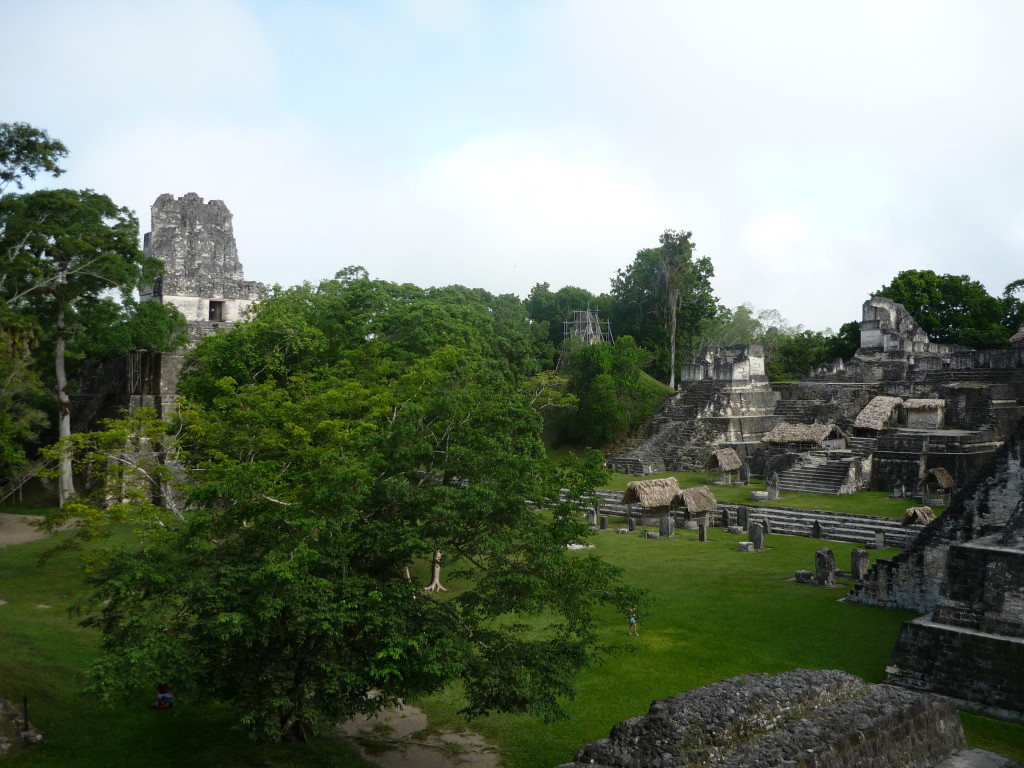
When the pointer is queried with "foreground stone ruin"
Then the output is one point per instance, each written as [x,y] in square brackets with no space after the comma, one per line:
[798,719]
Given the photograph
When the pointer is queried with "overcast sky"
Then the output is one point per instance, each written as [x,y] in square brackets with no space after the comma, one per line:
[814,149]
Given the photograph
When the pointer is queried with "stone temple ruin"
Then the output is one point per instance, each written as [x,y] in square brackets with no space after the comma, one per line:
[900,409]
[965,574]
[905,415]
[202,277]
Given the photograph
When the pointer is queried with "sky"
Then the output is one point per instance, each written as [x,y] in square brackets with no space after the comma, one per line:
[814,149]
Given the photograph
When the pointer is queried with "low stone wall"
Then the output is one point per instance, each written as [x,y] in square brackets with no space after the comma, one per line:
[801,719]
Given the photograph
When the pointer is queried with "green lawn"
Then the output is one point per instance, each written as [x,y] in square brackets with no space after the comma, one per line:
[44,654]
[715,613]
[864,503]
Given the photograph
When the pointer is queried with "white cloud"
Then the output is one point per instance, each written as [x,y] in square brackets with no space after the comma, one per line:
[814,150]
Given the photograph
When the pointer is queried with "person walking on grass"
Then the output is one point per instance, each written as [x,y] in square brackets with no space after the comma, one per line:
[631,621]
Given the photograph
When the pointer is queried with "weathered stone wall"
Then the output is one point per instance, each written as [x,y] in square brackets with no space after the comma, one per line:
[983,507]
[202,277]
[980,669]
[984,589]
[801,719]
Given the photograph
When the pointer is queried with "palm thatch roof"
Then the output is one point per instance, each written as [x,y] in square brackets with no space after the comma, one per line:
[699,499]
[923,404]
[802,433]
[917,515]
[1018,337]
[724,459]
[877,413]
[939,476]
[657,492]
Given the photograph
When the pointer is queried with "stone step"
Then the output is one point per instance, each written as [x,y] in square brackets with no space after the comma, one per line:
[835,526]
[786,521]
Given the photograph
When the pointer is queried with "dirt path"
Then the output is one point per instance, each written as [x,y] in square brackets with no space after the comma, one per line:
[401,738]
[17,529]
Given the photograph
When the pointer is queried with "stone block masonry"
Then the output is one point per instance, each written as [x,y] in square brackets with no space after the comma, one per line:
[801,718]
[984,507]
[202,276]
[984,671]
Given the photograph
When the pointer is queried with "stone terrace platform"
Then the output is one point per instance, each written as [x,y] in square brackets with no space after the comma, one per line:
[832,526]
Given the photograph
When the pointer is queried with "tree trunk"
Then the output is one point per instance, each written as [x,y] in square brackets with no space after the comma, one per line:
[65,482]
[435,574]
[673,301]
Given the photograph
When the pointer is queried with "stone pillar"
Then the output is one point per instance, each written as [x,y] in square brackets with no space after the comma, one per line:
[880,539]
[825,567]
[668,526]
[756,534]
[726,518]
[702,533]
[860,561]
[742,517]
[816,530]
[592,517]
[604,522]
[631,523]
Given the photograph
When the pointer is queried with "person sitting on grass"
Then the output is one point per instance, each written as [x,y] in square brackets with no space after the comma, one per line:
[164,697]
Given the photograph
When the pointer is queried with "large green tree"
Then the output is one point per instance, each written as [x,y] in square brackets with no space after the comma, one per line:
[605,382]
[69,267]
[72,264]
[25,152]
[952,308]
[550,309]
[668,287]
[350,430]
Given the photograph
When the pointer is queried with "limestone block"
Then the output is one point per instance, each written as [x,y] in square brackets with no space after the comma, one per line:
[825,567]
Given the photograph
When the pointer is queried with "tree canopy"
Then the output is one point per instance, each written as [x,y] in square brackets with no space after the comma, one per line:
[664,299]
[26,151]
[347,431]
[69,266]
[954,308]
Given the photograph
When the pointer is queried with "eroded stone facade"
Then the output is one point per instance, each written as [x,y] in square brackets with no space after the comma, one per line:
[801,718]
[203,276]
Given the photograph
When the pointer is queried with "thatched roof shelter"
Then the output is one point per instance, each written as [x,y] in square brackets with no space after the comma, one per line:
[1017,340]
[917,515]
[697,500]
[877,414]
[724,459]
[657,492]
[939,476]
[812,434]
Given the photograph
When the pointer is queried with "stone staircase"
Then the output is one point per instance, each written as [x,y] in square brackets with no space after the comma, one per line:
[683,440]
[798,411]
[816,474]
[862,446]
